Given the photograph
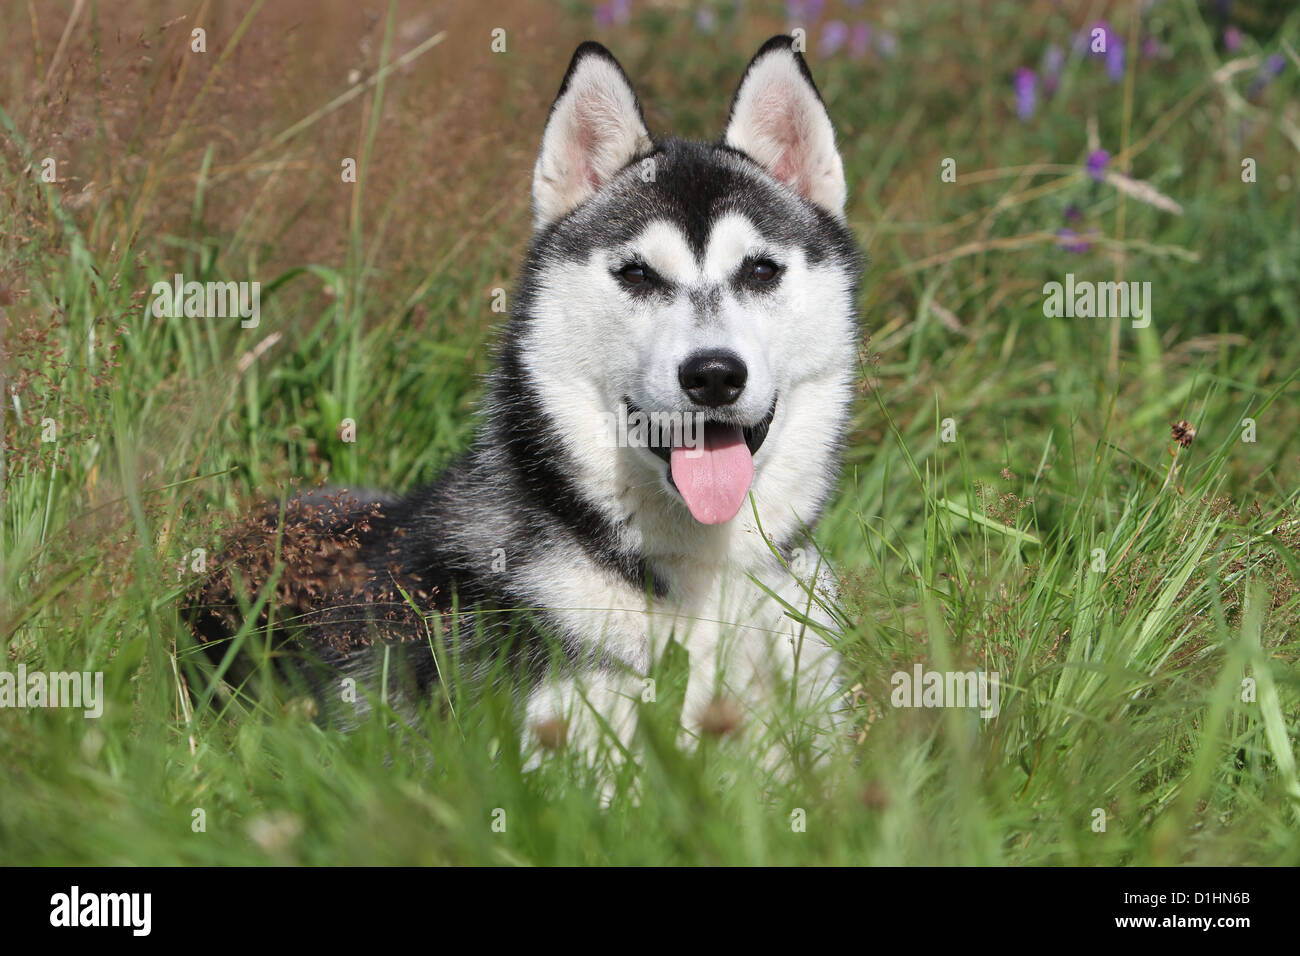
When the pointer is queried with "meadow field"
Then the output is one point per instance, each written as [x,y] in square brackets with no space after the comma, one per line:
[1105,510]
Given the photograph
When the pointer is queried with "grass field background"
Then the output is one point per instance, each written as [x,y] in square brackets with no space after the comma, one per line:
[1160,692]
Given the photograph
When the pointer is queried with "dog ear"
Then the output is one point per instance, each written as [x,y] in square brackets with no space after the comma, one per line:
[594,130]
[778,119]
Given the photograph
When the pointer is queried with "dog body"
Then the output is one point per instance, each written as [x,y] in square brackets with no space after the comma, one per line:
[708,284]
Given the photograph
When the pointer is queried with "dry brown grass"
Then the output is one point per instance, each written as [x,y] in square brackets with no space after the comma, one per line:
[129,112]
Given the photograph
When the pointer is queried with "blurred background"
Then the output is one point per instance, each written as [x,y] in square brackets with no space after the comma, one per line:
[226,164]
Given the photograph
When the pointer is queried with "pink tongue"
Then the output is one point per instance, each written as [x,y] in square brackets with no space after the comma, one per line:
[714,477]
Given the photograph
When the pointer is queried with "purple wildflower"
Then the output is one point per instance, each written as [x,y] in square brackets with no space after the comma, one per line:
[1071,241]
[835,33]
[1232,39]
[860,41]
[1072,213]
[613,12]
[886,44]
[1267,73]
[1115,59]
[804,11]
[1098,159]
[1053,66]
[1026,93]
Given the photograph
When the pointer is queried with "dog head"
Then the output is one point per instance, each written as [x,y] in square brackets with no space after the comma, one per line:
[685,318]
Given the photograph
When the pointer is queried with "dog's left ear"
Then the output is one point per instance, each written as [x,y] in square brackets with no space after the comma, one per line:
[779,120]
[594,130]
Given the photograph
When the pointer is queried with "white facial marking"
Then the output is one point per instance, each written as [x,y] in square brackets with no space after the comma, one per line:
[733,239]
[593,341]
[663,247]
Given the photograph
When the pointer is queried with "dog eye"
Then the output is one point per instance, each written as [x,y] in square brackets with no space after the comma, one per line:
[633,274]
[763,270]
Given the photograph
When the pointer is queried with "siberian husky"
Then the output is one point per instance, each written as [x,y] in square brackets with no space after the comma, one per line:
[706,290]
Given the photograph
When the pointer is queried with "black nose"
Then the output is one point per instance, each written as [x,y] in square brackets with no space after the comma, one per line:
[713,378]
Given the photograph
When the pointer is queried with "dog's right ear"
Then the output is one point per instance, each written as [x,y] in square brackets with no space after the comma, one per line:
[594,130]
[779,120]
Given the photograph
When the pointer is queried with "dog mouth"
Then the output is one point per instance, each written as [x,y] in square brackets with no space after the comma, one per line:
[711,467]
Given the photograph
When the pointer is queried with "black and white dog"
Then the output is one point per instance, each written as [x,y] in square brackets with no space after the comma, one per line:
[706,288]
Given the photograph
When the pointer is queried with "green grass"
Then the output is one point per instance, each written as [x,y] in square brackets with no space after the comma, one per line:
[1122,686]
